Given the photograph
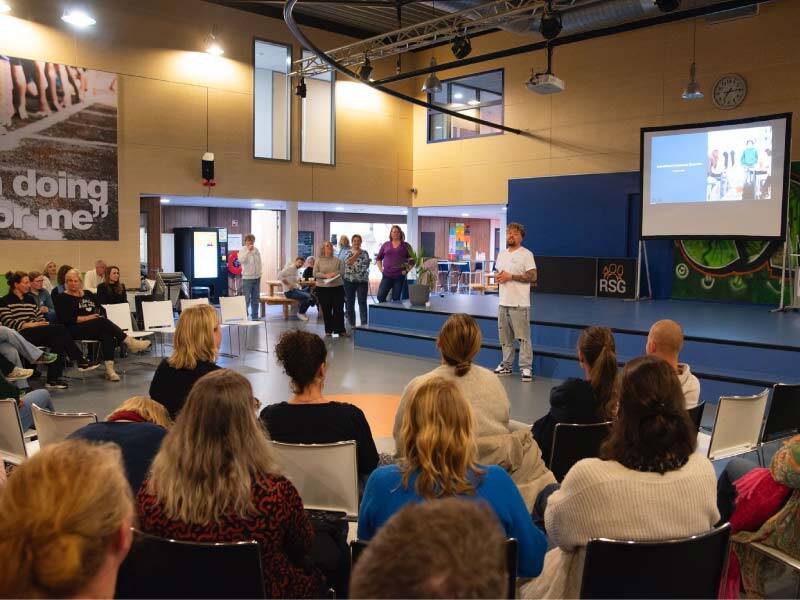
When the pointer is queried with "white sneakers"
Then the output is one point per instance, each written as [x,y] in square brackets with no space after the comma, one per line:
[302,317]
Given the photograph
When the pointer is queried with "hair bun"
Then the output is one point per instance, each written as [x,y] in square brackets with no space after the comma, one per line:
[58,560]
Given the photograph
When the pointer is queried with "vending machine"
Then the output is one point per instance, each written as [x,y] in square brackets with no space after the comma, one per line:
[201,254]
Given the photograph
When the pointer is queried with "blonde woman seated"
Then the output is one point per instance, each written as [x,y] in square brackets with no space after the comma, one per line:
[137,426]
[48,546]
[459,341]
[214,480]
[648,485]
[195,347]
[440,461]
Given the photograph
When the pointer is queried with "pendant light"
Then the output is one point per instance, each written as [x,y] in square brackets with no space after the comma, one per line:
[432,84]
[693,91]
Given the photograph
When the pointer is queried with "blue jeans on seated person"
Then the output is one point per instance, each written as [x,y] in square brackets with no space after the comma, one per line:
[303,298]
[250,289]
[40,398]
[393,284]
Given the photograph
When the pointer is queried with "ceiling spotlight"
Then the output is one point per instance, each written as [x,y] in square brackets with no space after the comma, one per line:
[461,46]
[213,46]
[667,5]
[692,91]
[365,70]
[473,102]
[165,201]
[4,8]
[258,204]
[78,18]
[464,214]
[550,25]
[300,88]
[432,84]
[340,208]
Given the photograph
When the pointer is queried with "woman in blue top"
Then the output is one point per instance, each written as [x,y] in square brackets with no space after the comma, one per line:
[438,453]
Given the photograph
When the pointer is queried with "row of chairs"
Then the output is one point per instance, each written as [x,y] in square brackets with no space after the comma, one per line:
[159,319]
[742,424]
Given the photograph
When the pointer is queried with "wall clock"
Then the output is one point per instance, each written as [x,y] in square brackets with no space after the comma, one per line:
[729,91]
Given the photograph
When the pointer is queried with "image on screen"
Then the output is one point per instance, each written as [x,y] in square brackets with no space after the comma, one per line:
[205,254]
[715,180]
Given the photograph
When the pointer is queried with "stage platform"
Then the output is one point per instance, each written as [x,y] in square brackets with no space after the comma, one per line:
[734,349]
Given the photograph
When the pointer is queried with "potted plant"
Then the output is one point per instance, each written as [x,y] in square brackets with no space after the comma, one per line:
[420,291]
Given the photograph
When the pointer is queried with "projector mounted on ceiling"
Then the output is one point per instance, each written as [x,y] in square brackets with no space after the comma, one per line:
[546,83]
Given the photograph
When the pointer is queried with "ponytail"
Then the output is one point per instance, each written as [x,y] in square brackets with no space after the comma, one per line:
[599,351]
[459,341]
[463,368]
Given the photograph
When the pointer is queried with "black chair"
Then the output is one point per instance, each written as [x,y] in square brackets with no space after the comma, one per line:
[575,441]
[783,416]
[162,568]
[696,414]
[512,557]
[685,568]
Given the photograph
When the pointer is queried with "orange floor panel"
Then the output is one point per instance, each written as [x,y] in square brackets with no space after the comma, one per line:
[378,408]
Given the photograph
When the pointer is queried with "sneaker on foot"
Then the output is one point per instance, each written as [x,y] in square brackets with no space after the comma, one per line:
[302,317]
[502,370]
[527,375]
[56,384]
[46,358]
[19,373]
[85,364]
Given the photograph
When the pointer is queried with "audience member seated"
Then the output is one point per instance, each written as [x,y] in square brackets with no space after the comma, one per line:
[65,523]
[291,289]
[308,272]
[18,311]
[649,485]
[452,548]
[665,340]
[309,418]
[137,426]
[112,290]
[59,289]
[95,277]
[43,299]
[459,341]
[50,273]
[40,398]
[79,310]
[214,480]
[194,349]
[14,347]
[439,461]
[762,506]
[586,400]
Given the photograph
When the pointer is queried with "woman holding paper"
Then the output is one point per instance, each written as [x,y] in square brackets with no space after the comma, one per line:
[328,271]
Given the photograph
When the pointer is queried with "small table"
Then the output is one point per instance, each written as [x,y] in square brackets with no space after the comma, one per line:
[272,284]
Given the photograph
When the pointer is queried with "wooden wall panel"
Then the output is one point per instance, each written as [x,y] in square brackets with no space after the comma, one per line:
[151,210]
[183,216]
[224,217]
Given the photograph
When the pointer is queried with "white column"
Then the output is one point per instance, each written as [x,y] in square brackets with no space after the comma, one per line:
[290,235]
[412,228]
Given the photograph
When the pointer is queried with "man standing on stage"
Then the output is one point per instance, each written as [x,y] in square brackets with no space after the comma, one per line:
[516,271]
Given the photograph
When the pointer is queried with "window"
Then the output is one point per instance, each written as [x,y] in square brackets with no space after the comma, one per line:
[479,95]
[318,127]
[272,107]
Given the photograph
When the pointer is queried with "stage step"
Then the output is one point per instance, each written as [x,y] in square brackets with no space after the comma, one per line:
[557,362]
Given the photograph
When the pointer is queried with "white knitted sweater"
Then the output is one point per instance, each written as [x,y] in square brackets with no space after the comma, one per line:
[481,388]
[605,499]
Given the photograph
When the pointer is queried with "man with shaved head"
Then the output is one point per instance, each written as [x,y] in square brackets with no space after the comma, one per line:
[665,340]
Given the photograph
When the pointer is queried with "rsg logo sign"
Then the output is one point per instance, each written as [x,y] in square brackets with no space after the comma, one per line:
[613,279]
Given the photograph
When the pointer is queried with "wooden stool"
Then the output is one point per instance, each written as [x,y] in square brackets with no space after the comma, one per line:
[277,300]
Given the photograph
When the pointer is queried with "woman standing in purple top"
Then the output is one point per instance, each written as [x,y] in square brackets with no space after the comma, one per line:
[394,261]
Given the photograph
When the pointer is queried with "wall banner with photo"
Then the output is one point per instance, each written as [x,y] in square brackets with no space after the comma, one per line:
[58,152]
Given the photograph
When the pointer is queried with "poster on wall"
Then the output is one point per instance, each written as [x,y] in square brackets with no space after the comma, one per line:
[738,270]
[459,242]
[58,152]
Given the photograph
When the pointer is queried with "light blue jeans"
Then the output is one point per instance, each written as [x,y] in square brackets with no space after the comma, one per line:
[40,398]
[250,288]
[514,323]
[13,345]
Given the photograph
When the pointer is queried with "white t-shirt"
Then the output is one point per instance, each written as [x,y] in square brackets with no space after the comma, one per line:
[518,262]
[289,275]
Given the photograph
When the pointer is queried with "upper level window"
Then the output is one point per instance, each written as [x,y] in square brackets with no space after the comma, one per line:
[318,118]
[479,95]
[272,107]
